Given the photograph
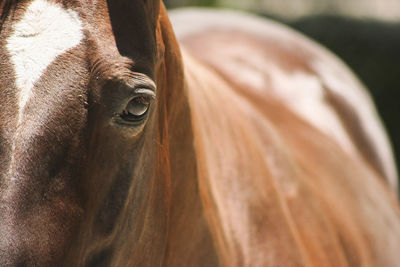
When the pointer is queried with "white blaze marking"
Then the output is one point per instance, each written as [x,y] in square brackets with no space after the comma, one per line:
[45,31]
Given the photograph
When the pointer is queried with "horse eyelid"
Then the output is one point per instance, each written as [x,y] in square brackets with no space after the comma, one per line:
[142,84]
[145,91]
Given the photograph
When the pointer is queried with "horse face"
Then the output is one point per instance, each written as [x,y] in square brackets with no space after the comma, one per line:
[78,134]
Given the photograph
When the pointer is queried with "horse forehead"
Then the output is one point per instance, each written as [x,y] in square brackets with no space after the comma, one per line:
[45,31]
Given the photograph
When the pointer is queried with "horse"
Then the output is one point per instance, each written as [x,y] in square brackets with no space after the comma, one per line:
[241,144]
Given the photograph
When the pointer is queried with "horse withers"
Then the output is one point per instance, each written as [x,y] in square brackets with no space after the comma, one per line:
[249,145]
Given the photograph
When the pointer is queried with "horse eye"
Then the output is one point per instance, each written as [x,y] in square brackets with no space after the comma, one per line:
[136,109]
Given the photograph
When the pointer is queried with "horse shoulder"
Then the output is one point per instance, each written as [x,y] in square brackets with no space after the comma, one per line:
[261,57]
[264,171]
[268,167]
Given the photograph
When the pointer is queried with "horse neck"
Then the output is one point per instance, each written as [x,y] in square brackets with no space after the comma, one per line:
[189,241]
[234,183]
[269,189]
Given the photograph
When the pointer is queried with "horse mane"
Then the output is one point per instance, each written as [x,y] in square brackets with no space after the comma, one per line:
[5,9]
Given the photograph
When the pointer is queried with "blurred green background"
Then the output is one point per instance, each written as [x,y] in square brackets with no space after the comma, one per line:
[381,9]
[364,33]
[179,3]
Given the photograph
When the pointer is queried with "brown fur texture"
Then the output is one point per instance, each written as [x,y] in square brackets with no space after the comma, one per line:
[219,174]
